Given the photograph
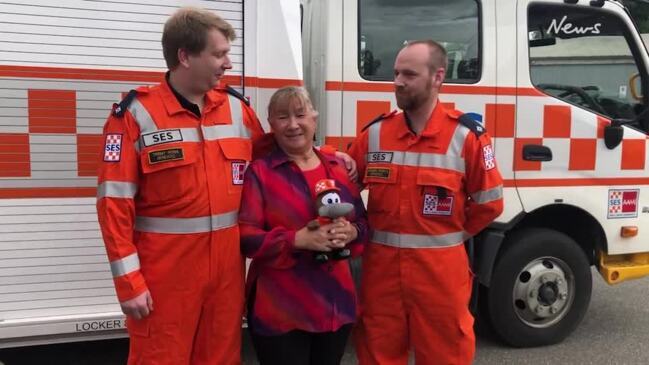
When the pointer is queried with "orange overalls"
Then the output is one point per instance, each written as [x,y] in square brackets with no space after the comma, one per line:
[427,194]
[168,197]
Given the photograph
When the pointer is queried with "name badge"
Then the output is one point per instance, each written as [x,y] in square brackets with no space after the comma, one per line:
[379,157]
[171,154]
[164,136]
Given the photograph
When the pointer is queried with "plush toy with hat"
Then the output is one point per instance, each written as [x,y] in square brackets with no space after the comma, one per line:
[329,207]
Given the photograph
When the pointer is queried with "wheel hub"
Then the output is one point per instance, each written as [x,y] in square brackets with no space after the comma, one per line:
[543,292]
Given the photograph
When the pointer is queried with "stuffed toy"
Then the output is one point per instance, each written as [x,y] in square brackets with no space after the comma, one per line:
[329,207]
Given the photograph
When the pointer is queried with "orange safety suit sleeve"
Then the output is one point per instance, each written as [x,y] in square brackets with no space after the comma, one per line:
[483,183]
[117,187]
[358,151]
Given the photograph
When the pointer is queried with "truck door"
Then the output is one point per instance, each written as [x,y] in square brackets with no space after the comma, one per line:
[575,63]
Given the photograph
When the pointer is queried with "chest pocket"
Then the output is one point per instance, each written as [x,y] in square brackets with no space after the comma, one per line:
[168,173]
[438,193]
[237,153]
[381,180]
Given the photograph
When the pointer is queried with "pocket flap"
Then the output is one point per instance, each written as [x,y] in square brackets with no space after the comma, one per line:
[236,148]
[161,158]
[381,174]
[447,180]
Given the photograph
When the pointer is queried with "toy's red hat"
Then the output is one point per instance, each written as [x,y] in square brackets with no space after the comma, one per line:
[325,185]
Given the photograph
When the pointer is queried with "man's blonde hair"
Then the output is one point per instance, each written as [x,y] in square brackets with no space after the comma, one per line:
[187,29]
[283,98]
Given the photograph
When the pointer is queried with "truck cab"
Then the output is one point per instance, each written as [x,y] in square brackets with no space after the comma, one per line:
[560,86]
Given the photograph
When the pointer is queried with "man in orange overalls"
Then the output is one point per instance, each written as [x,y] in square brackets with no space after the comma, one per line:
[433,183]
[169,192]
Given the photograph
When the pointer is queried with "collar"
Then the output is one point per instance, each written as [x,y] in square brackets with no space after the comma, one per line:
[278,157]
[176,103]
[432,125]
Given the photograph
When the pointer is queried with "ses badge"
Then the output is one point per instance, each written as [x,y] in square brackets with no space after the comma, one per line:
[238,170]
[113,148]
[436,205]
[623,203]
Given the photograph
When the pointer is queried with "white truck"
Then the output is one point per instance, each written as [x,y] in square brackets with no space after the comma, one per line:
[561,86]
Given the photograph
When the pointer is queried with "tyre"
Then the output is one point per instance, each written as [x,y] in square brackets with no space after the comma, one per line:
[540,288]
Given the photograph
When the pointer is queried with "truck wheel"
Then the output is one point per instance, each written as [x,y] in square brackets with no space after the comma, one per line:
[540,288]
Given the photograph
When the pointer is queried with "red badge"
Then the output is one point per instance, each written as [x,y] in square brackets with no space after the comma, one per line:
[113,148]
[488,155]
[623,203]
[238,169]
[434,205]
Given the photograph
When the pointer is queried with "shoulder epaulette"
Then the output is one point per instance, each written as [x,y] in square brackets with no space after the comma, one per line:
[379,118]
[237,94]
[120,109]
[472,124]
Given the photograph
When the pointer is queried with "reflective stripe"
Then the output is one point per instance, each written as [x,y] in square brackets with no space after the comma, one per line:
[190,135]
[235,130]
[185,225]
[486,196]
[116,189]
[374,137]
[405,240]
[125,266]
[452,160]
[215,132]
[142,117]
[457,141]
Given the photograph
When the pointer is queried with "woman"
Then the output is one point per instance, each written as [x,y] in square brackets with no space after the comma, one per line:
[300,310]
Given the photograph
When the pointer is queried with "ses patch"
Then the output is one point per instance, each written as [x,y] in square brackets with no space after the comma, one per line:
[113,148]
[379,157]
[171,154]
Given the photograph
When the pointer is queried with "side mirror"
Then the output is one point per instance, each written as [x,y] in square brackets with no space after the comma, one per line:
[633,86]
[613,135]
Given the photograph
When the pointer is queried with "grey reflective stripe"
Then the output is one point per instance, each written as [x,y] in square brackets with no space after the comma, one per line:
[452,160]
[486,196]
[215,132]
[185,225]
[116,189]
[457,141]
[190,134]
[374,137]
[405,240]
[235,130]
[142,117]
[125,266]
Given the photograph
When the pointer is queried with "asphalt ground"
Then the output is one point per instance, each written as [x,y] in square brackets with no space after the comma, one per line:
[615,330]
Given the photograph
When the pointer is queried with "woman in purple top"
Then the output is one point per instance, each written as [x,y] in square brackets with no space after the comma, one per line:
[300,309]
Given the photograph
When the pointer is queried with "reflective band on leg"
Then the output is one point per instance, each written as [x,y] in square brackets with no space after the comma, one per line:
[406,240]
[125,266]
[116,189]
[185,225]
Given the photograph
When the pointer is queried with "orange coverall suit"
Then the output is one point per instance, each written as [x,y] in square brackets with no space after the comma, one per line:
[427,194]
[168,198]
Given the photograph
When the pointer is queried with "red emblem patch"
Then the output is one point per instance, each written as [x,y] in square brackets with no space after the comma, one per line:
[238,170]
[623,203]
[434,205]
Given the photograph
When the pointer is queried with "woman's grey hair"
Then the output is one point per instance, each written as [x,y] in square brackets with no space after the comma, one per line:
[283,98]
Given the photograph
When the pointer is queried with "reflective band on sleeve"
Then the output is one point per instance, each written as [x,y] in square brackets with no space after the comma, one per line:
[405,240]
[116,189]
[185,225]
[486,196]
[125,266]
[452,160]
